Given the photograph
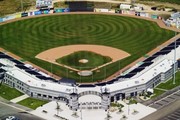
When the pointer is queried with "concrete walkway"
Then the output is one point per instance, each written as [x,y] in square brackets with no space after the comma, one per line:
[49,112]
[15,100]
[161,89]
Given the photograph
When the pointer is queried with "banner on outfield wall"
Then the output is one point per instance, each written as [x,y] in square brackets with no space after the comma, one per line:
[30,13]
[24,14]
[37,13]
[132,12]
[154,16]
[129,12]
[59,10]
[100,10]
[137,13]
[45,12]
[18,15]
[1,20]
[8,18]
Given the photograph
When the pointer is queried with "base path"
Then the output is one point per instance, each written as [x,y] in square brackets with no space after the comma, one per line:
[53,54]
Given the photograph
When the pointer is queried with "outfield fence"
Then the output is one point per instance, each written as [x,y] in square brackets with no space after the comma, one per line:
[62,10]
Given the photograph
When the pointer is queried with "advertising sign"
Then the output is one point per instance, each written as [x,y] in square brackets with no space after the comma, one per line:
[44,3]
[154,16]
[37,12]
[8,18]
[1,20]
[58,10]
[18,15]
[24,14]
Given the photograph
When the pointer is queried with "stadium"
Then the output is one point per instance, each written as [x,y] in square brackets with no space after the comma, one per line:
[65,56]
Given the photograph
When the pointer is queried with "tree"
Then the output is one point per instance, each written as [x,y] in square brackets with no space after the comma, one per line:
[120,109]
[124,116]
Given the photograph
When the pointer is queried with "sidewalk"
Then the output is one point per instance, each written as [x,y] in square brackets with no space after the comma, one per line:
[15,100]
[17,106]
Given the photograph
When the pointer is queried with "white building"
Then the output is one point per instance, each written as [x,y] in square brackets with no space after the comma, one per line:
[125,6]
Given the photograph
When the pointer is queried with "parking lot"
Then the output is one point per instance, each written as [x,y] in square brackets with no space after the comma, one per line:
[173,116]
[166,100]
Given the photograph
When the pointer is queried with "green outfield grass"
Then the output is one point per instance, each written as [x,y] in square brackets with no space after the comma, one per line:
[94,60]
[8,92]
[29,37]
[32,103]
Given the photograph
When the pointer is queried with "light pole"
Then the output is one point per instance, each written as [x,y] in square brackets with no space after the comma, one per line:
[21,5]
[174,78]
[81,111]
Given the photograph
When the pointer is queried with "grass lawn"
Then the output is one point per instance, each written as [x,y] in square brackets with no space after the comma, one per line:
[169,84]
[132,101]
[32,103]
[135,36]
[8,92]
[94,60]
[13,6]
[169,1]
[157,93]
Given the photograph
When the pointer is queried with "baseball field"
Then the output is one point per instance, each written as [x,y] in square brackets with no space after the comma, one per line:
[29,37]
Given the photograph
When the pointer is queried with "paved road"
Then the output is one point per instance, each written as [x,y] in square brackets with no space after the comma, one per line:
[6,110]
[166,100]
[173,116]
[172,109]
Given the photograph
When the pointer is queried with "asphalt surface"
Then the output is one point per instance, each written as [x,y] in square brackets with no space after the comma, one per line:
[8,110]
[169,112]
[173,116]
[166,100]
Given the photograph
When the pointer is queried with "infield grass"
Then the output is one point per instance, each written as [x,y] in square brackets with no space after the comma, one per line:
[94,60]
[27,38]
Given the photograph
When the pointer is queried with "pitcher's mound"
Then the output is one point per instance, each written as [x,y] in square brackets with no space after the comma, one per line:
[83,61]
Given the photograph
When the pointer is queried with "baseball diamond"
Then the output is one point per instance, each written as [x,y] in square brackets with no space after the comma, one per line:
[29,37]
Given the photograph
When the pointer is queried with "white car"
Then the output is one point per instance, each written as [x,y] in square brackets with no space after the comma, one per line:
[11,118]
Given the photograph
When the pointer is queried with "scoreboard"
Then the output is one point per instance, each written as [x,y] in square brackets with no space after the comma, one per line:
[44,3]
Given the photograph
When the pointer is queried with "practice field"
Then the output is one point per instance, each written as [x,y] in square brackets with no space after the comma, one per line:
[29,37]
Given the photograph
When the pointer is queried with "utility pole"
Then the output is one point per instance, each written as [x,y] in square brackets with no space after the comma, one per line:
[21,5]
